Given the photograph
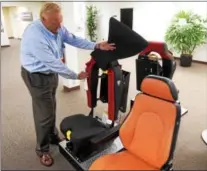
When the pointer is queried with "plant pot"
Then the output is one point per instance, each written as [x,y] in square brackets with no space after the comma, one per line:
[185,60]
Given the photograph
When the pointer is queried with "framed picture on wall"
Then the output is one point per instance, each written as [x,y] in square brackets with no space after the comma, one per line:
[2,28]
[26,16]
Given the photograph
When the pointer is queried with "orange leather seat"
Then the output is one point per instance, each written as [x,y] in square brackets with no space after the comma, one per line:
[149,132]
[120,161]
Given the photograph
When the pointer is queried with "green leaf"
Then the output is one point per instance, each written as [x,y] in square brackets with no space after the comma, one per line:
[92,22]
[184,38]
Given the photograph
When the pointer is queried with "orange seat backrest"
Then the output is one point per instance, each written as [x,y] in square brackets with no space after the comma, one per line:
[148,131]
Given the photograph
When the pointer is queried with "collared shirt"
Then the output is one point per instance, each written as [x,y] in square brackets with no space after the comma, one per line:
[41,50]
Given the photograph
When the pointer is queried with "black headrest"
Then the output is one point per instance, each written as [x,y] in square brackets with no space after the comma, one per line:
[128,43]
[161,87]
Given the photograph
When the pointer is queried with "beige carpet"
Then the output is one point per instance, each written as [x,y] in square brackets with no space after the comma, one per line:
[18,136]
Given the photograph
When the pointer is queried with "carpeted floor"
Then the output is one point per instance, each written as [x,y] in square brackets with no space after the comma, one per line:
[18,136]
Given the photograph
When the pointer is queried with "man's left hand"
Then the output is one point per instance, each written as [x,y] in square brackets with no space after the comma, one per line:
[106,46]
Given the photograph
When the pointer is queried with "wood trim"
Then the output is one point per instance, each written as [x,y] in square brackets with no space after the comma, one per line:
[66,89]
[196,61]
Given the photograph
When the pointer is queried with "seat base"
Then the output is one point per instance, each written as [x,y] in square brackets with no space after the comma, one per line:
[83,129]
[121,161]
[113,146]
[82,126]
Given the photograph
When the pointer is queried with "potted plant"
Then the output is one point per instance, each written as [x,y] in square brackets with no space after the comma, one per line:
[186,32]
[92,22]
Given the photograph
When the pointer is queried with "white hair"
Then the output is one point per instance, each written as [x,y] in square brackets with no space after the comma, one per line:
[49,7]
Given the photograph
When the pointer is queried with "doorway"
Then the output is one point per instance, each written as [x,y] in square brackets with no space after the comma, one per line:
[127,17]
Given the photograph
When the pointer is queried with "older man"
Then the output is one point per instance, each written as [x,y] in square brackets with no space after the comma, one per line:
[41,53]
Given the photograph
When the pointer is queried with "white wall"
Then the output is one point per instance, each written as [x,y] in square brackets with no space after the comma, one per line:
[145,17]
[4,36]
[17,7]
[70,11]
[150,19]
[18,25]
[34,7]
[105,11]
[8,25]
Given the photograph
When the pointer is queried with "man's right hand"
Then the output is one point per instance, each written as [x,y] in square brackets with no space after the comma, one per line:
[82,75]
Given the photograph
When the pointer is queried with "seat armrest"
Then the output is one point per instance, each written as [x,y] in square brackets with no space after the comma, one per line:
[105,136]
